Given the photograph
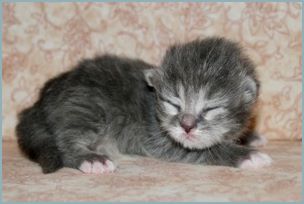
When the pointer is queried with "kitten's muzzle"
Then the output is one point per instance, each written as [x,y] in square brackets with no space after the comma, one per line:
[188,122]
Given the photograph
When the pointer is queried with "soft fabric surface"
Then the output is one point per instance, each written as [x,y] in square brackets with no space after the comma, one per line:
[143,179]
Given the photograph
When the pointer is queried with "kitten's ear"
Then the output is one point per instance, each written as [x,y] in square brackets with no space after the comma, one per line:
[251,89]
[152,76]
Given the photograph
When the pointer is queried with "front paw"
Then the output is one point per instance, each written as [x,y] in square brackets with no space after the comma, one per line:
[96,164]
[256,160]
[97,167]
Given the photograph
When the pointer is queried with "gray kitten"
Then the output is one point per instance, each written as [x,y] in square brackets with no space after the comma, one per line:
[196,108]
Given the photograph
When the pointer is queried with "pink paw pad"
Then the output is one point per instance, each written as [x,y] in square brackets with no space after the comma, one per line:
[97,167]
[255,161]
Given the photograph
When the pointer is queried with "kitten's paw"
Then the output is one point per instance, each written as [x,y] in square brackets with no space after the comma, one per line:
[97,165]
[255,161]
[260,141]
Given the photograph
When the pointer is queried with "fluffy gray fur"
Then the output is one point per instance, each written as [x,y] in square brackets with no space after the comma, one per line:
[108,106]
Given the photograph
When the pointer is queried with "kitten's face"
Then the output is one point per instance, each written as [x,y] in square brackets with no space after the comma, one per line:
[199,106]
[193,119]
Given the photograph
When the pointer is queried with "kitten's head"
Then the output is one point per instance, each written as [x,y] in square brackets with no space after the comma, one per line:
[205,91]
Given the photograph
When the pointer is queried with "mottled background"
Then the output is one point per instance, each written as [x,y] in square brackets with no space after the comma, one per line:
[40,40]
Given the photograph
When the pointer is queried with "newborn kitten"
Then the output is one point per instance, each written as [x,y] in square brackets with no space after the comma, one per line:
[194,109]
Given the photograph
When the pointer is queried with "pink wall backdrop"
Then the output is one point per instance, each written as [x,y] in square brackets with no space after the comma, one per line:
[41,40]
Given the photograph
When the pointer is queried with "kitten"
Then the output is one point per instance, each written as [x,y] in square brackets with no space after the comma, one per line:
[194,109]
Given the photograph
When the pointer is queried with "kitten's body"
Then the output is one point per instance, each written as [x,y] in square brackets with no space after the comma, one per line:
[87,117]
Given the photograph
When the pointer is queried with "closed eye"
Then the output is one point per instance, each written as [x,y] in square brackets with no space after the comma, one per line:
[210,109]
[212,112]
[170,103]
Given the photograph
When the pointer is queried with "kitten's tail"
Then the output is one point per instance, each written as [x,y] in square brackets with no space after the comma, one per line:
[36,142]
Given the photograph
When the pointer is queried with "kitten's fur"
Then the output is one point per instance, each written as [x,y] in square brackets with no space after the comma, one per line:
[109,106]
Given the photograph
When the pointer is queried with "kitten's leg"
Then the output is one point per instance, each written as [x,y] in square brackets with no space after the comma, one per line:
[81,128]
[79,151]
[253,139]
[229,154]
[225,154]
[89,162]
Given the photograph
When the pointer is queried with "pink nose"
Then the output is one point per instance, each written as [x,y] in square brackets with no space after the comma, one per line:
[188,122]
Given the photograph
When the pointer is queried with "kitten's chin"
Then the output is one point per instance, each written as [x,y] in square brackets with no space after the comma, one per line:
[192,141]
